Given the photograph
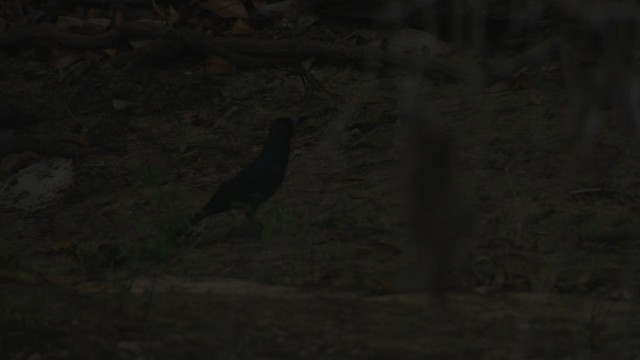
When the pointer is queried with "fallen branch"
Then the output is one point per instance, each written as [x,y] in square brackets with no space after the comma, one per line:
[65,147]
[242,51]
[36,33]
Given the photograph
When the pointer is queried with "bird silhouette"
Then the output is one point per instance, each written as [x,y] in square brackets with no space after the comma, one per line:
[259,180]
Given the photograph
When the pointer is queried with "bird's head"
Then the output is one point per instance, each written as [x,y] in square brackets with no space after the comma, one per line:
[283,127]
[281,131]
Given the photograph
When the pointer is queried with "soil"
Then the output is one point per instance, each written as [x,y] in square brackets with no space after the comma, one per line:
[542,242]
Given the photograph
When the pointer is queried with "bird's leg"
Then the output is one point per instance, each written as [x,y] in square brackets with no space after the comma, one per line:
[180,230]
[250,213]
[251,216]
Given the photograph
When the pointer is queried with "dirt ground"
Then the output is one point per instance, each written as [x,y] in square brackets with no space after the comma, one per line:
[546,267]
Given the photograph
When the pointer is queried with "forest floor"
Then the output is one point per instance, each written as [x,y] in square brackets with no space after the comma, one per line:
[546,267]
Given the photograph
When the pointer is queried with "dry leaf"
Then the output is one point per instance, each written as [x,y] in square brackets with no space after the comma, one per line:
[204,24]
[359,37]
[499,280]
[137,44]
[414,40]
[99,23]
[169,15]
[92,287]
[241,27]
[189,116]
[18,23]
[119,18]
[172,16]
[534,100]
[120,104]
[308,63]
[95,12]
[260,3]
[497,88]
[195,22]
[110,52]
[520,84]
[65,280]
[129,346]
[215,65]
[62,59]
[16,277]
[286,13]
[94,56]
[63,245]
[587,59]
[68,23]
[206,286]
[226,8]
[78,142]
[331,274]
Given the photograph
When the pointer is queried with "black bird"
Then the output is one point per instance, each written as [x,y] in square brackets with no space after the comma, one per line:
[259,180]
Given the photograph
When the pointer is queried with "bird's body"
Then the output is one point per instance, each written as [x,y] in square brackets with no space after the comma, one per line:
[259,180]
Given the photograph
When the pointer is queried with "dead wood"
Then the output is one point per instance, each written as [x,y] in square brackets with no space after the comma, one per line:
[244,52]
